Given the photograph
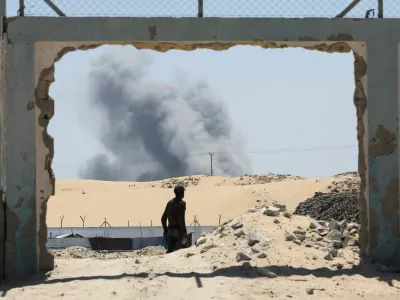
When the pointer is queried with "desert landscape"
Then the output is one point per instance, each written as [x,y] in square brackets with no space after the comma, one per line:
[267,246]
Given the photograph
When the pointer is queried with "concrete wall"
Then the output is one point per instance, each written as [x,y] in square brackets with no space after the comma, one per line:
[68,242]
[33,45]
[122,232]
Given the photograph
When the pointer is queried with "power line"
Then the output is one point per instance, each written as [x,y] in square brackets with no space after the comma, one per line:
[266,151]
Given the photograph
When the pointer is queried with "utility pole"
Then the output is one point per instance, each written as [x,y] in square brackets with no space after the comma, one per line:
[211,157]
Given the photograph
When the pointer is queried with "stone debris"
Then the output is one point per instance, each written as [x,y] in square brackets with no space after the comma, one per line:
[262,255]
[289,237]
[237,225]
[207,248]
[287,214]
[349,241]
[243,256]
[256,249]
[252,210]
[336,244]
[335,235]
[77,252]
[276,221]
[297,241]
[189,254]
[328,257]
[239,232]
[266,272]
[331,206]
[282,207]
[334,225]
[309,290]
[272,211]
[201,241]
[252,239]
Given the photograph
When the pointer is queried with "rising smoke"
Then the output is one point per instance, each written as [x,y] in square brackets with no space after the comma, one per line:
[155,130]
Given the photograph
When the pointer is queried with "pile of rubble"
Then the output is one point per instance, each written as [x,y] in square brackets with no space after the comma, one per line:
[84,253]
[327,236]
[186,181]
[331,206]
[347,182]
[263,179]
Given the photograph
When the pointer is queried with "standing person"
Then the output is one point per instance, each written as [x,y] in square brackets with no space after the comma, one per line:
[175,215]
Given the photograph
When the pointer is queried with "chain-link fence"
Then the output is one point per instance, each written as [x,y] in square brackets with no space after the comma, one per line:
[212,8]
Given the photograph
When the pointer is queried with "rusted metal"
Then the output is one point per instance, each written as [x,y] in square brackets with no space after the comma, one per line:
[348,8]
[55,8]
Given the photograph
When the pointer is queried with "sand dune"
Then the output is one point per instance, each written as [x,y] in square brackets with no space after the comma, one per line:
[143,203]
[287,268]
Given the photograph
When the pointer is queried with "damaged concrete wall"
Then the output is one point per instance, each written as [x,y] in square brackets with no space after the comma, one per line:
[35,44]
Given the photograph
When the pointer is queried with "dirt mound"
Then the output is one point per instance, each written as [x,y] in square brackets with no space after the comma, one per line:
[186,181]
[260,179]
[84,253]
[331,206]
[347,182]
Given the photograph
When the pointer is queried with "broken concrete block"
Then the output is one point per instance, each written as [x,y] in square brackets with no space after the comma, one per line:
[328,257]
[337,244]
[243,256]
[297,241]
[333,252]
[272,211]
[289,237]
[256,249]
[252,239]
[201,241]
[239,232]
[237,225]
[302,238]
[282,207]
[335,235]
[262,255]
[299,232]
[287,214]
[333,225]
[350,241]
[342,224]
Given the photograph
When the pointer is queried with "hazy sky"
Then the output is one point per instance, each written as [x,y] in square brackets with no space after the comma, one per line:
[288,105]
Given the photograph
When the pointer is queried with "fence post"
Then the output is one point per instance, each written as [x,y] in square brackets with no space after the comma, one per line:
[83,220]
[21,10]
[380,9]
[200,9]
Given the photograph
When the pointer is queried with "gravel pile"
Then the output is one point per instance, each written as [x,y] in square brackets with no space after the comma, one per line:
[347,182]
[262,179]
[83,253]
[331,206]
[188,181]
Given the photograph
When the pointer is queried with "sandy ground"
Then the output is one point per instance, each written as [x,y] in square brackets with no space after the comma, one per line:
[195,273]
[143,203]
[215,274]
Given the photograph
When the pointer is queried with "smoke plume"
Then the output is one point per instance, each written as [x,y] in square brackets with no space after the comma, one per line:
[155,130]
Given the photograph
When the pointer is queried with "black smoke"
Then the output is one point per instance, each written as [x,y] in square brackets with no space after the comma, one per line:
[154,130]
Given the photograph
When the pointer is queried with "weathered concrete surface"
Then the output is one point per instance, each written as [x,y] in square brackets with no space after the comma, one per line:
[36,43]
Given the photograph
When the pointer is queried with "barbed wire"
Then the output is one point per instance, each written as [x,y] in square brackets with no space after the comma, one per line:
[211,8]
